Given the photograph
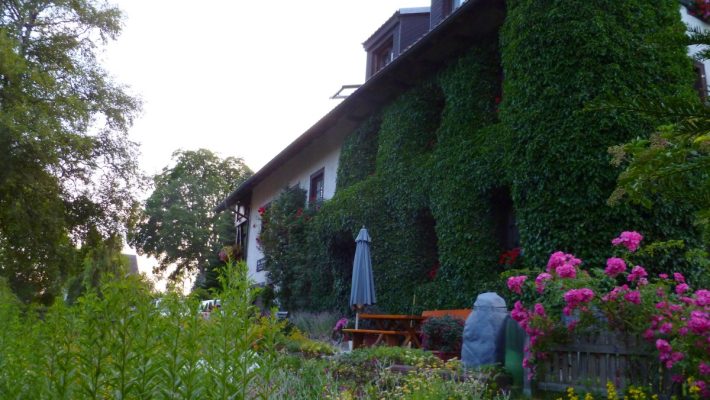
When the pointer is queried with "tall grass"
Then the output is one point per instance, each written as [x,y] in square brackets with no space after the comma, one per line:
[115,343]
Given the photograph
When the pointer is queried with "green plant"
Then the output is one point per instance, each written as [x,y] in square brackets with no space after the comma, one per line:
[317,325]
[443,333]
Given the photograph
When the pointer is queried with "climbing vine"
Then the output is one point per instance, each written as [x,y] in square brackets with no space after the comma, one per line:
[425,173]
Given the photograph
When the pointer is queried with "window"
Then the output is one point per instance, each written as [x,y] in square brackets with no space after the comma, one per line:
[383,55]
[701,83]
[260,264]
[448,6]
[317,187]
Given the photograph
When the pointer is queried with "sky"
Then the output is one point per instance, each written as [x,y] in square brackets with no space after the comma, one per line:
[240,78]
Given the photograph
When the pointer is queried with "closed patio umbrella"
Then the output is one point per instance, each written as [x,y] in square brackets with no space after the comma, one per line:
[362,292]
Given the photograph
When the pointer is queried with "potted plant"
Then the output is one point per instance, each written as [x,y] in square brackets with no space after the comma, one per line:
[443,336]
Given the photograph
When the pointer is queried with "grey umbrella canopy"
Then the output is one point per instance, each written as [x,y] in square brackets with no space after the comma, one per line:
[362,292]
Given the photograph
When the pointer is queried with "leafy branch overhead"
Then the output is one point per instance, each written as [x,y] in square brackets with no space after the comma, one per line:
[67,168]
[178,225]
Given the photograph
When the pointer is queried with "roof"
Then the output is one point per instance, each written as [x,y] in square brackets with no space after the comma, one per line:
[474,19]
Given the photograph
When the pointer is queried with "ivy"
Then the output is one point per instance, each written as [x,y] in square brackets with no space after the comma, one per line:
[424,175]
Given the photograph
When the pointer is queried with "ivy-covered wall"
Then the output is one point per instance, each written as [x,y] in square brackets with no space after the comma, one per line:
[422,174]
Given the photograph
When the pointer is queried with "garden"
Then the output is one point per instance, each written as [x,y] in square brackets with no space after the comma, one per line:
[119,342]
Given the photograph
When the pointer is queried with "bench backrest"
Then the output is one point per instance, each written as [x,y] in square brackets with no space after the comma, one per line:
[461,314]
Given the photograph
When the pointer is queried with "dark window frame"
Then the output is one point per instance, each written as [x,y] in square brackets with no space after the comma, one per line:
[383,54]
[316,195]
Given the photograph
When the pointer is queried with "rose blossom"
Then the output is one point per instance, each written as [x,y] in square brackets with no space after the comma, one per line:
[633,297]
[559,259]
[637,273]
[663,346]
[704,368]
[515,283]
[630,240]
[678,277]
[567,271]
[702,297]
[682,288]
[540,281]
[575,298]
[614,266]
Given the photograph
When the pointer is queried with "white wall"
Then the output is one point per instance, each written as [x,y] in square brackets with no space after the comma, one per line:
[694,22]
[323,153]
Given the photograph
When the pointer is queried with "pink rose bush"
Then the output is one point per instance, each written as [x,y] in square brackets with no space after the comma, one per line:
[665,311]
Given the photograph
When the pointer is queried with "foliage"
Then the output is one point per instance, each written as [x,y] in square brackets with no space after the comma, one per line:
[443,334]
[672,164]
[664,310]
[449,152]
[178,225]
[297,342]
[560,172]
[366,373]
[123,344]
[282,240]
[316,325]
[67,168]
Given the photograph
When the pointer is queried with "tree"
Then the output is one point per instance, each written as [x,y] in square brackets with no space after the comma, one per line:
[178,225]
[66,165]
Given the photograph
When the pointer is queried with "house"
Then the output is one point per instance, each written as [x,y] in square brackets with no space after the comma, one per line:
[471,116]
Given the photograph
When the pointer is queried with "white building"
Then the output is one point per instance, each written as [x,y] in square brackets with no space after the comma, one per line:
[412,39]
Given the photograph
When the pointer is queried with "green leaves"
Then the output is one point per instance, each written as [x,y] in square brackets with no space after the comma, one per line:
[67,166]
[178,225]
[123,344]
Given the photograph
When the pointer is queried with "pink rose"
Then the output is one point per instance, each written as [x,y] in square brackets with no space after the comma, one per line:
[614,266]
[630,240]
[663,346]
[515,283]
[633,297]
[637,273]
[678,277]
[567,271]
[702,297]
[682,288]
[540,281]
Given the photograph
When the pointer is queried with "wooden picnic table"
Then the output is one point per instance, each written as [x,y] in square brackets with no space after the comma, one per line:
[393,329]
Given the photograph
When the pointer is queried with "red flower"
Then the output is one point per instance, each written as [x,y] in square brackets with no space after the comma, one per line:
[509,257]
[434,269]
[261,211]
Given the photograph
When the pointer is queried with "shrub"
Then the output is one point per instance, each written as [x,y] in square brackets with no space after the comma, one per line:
[443,333]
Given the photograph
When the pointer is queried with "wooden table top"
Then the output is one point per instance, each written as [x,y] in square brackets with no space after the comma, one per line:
[392,317]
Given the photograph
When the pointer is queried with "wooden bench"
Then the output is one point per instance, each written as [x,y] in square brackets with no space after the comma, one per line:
[405,332]
[461,313]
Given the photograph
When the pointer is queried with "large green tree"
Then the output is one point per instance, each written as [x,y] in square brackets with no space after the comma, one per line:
[178,225]
[66,165]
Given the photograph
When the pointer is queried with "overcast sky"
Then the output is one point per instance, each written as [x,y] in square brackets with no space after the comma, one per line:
[241,78]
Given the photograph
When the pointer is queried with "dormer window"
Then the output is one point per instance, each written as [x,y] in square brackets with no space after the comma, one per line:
[448,6]
[383,55]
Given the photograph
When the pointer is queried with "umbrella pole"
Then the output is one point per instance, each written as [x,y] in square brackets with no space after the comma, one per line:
[357,320]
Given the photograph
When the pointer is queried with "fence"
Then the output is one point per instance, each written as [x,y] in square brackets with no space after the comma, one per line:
[590,360]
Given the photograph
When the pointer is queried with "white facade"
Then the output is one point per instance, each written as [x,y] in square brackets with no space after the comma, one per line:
[693,22]
[324,154]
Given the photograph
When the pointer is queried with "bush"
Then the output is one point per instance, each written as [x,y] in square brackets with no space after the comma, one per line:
[443,333]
